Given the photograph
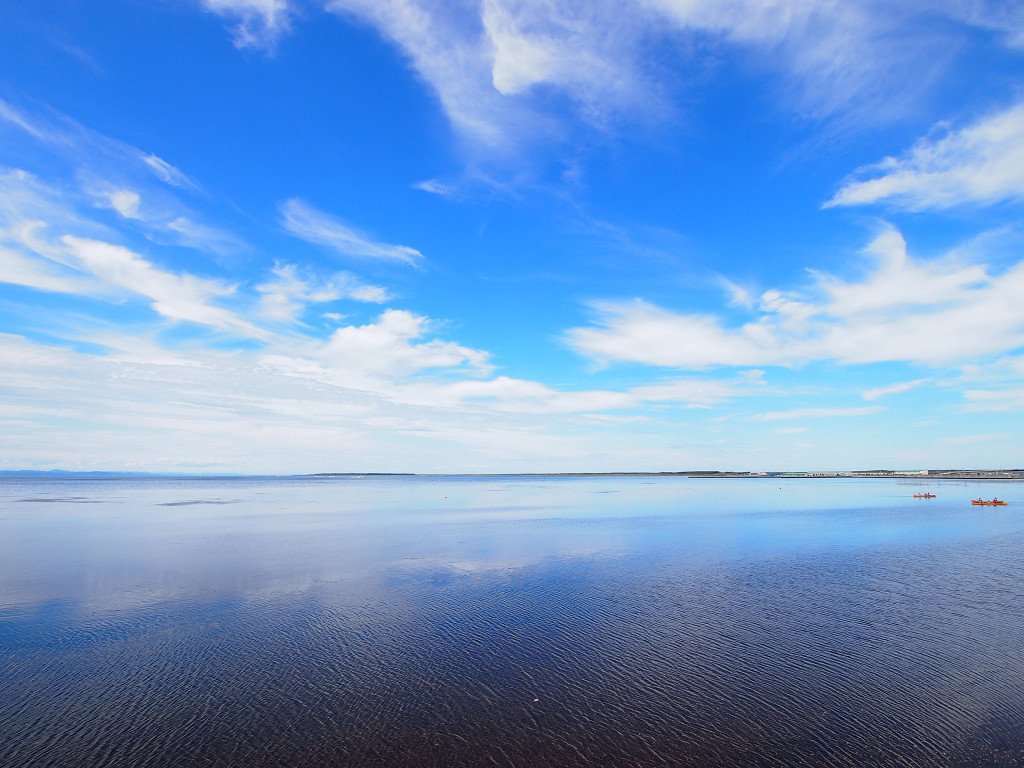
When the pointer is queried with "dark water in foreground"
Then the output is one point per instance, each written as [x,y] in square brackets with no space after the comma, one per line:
[510,622]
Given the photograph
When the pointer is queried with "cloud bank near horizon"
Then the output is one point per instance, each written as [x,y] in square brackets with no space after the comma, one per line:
[639,241]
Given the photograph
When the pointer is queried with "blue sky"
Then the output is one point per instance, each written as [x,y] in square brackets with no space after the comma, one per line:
[511,235]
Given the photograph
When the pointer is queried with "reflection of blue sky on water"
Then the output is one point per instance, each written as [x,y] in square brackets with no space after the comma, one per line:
[374,621]
[135,543]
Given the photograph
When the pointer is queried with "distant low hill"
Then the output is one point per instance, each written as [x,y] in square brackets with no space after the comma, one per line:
[75,473]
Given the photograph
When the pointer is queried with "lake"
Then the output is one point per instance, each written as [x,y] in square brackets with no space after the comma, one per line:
[510,621]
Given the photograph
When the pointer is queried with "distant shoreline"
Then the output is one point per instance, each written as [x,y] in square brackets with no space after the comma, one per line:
[1001,474]
[943,474]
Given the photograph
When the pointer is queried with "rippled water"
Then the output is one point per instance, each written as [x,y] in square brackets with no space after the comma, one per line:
[400,621]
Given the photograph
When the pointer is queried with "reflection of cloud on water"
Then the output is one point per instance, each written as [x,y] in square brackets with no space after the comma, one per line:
[194,502]
[108,572]
[339,543]
[58,500]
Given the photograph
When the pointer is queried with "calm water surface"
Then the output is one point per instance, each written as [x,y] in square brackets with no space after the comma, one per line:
[401,621]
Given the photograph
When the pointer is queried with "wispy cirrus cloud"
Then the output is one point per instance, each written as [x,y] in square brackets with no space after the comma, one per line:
[997,15]
[124,201]
[982,163]
[996,387]
[434,187]
[203,237]
[892,389]
[167,173]
[493,64]
[44,275]
[164,220]
[995,399]
[93,152]
[818,413]
[287,294]
[176,296]
[818,46]
[138,185]
[257,23]
[307,223]
[983,438]
[509,395]
[933,313]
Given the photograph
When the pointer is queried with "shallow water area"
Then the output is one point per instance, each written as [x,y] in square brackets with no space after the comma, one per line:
[521,621]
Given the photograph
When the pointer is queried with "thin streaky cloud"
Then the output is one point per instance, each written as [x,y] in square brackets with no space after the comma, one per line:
[125,202]
[314,226]
[1006,399]
[434,187]
[89,148]
[982,163]
[14,116]
[167,173]
[288,294]
[177,297]
[204,237]
[818,413]
[42,274]
[974,439]
[257,23]
[490,63]
[893,389]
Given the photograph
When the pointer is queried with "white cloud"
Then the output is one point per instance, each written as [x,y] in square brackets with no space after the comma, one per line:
[981,163]
[167,173]
[902,310]
[581,47]
[317,227]
[790,430]
[29,212]
[371,294]
[434,187]
[44,275]
[286,296]
[25,201]
[738,295]
[175,296]
[975,439]
[96,156]
[487,59]
[125,202]
[204,237]
[1006,399]
[94,153]
[447,47]
[388,348]
[259,23]
[641,332]
[38,130]
[819,413]
[892,389]
[165,220]
[508,395]
[833,50]
[998,15]
[494,63]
